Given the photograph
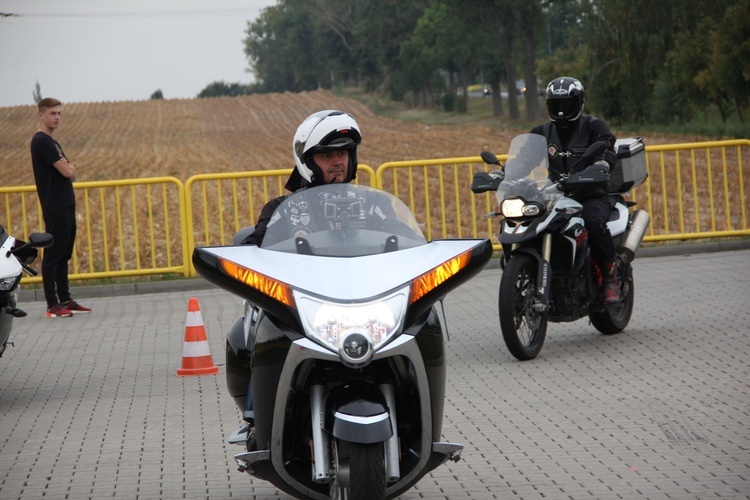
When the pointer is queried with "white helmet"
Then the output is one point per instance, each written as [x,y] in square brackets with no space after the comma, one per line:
[322,132]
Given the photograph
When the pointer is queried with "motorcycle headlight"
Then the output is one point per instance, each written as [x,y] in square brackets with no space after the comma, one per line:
[517,207]
[354,331]
[8,283]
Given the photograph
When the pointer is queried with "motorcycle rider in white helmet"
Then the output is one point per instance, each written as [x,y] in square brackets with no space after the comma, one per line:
[325,152]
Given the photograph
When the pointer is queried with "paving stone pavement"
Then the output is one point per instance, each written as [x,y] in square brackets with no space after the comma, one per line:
[91,406]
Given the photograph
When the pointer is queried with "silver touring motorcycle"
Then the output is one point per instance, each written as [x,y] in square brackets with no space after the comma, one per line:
[342,341]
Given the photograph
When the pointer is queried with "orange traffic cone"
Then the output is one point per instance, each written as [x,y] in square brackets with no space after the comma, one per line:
[196,356]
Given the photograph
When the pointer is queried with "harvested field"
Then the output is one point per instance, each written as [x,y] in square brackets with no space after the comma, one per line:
[184,137]
[111,141]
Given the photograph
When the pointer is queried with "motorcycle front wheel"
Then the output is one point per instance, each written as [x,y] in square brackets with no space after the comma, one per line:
[524,329]
[360,471]
[613,319]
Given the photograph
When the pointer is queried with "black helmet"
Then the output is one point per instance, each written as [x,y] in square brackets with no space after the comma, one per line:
[565,98]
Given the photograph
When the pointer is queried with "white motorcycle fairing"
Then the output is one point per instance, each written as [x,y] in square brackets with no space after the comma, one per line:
[345,278]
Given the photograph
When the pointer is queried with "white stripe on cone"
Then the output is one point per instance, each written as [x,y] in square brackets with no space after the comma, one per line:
[193,319]
[195,349]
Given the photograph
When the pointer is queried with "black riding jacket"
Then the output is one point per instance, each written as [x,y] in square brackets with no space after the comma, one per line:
[566,145]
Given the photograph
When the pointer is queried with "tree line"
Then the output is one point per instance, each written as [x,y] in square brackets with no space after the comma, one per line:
[641,61]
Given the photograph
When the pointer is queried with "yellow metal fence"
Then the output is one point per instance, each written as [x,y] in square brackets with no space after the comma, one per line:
[150,226]
[133,227]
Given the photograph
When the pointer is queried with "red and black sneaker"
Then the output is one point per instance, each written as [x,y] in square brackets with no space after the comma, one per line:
[75,307]
[58,311]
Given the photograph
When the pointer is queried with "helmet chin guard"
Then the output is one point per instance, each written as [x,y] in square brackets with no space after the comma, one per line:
[322,132]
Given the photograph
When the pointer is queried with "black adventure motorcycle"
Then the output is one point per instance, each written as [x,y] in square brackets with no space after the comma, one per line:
[548,273]
[343,341]
[15,258]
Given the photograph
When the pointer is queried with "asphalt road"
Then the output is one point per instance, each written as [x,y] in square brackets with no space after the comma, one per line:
[91,406]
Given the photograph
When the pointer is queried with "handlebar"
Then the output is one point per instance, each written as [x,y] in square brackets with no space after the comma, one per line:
[29,270]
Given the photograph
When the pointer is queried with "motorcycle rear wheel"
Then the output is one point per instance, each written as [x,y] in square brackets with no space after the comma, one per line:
[524,329]
[360,471]
[613,319]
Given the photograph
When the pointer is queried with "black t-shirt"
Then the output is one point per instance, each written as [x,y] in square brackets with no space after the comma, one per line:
[54,189]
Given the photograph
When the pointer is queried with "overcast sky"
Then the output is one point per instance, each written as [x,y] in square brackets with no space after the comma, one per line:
[114,50]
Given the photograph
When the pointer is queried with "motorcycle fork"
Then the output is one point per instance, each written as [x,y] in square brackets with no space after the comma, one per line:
[544,276]
[321,461]
[320,452]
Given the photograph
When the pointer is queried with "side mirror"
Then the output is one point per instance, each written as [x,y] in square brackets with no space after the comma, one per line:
[41,240]
[489,158]
[36,240]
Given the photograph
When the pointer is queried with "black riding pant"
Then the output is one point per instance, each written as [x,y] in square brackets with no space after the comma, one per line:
[62,225]
[596,213]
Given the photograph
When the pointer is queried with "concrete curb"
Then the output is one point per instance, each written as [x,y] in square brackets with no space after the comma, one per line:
[672,250]
[188,284]
[124,289]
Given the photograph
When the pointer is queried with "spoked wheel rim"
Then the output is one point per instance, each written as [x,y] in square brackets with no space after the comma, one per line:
[523,326]
[527,321]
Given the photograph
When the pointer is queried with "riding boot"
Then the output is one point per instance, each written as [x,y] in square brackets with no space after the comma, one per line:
[611,284]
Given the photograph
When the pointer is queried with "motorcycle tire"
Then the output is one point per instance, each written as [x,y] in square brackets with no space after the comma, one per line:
[614,318]
[363,467]
[524,329]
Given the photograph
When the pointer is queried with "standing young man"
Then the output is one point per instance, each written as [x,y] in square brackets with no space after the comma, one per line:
[54,176]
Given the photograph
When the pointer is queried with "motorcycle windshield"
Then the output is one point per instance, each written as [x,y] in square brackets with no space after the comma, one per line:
[342,220]
[526,170]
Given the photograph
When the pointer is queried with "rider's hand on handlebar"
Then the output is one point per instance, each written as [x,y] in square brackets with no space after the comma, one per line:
[602,164]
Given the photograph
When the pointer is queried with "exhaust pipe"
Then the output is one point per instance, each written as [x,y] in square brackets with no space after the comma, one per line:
[637,225]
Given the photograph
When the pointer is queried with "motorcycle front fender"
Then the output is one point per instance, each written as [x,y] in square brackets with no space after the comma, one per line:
[358,413]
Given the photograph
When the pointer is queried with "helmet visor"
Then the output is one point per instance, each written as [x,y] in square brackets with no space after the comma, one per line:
[338,139]
[564,109]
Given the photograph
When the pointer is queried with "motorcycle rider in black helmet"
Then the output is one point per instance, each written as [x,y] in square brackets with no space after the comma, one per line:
[569,133]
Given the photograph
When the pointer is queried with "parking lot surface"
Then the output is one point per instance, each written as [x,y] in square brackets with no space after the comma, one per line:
[91,406]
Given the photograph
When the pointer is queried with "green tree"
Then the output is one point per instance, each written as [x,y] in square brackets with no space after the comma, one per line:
[629,42]
[440,42]
[378,31]
[157,94]
[220,88]
[282,50]
[530,17]
[730,57]
[701,67]
[490,25]
[37,93]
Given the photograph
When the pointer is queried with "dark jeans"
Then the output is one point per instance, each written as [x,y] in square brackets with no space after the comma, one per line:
[595,215]
[62,225]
